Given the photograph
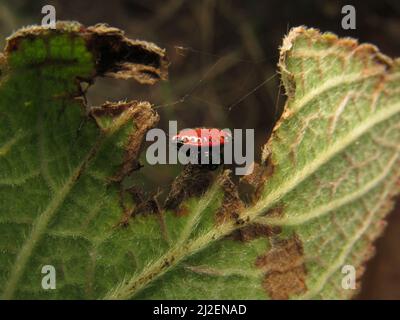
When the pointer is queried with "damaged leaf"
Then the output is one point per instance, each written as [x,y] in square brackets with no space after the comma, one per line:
[316,202]
[328,178]
[335,153]
[60,169]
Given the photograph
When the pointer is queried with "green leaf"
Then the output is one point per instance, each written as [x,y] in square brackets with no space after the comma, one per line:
[326,182]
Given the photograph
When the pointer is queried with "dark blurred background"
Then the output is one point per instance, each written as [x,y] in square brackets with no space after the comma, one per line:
[220,50]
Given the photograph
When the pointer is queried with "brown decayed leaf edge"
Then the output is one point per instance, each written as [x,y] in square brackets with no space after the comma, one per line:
[255,231]
[115,55]
[232,205]
[144,118]
[251,185]
[193,181]
[2,61]
[285,273]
